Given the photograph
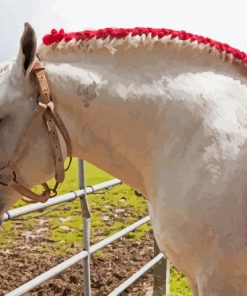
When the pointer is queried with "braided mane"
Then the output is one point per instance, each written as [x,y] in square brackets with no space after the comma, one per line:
[111,38]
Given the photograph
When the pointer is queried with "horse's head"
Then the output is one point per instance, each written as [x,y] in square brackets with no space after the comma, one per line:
[18,94]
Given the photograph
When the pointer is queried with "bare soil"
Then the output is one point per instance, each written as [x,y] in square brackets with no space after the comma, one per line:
[117,262]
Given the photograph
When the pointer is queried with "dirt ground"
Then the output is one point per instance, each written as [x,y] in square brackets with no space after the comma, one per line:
[117,262]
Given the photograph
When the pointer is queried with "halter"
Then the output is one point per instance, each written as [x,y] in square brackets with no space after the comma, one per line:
[45,110]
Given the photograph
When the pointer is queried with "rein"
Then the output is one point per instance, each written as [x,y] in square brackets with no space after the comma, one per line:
[45,110]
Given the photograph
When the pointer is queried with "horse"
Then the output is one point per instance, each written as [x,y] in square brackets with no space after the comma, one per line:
[165,111]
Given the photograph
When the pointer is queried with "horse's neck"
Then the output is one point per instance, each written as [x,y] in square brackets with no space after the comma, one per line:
[110,125]
[115,106]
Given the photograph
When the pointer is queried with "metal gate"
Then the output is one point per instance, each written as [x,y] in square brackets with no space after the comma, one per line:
[160,264]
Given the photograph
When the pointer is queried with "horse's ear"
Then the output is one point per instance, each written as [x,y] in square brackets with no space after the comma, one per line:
[27,51]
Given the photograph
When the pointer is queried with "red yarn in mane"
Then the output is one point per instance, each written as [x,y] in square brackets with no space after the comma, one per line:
[57,36]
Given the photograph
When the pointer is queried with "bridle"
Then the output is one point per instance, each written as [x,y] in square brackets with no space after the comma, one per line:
[45,110]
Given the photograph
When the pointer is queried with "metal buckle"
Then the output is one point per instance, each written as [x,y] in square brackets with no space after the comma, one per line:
[51,106]
[54,190]
[42,105]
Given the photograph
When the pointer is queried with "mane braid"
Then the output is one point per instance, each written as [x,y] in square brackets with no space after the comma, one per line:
[109,35]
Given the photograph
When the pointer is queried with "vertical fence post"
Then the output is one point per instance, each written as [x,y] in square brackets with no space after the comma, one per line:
[161,274]
[86,215]
[168,275]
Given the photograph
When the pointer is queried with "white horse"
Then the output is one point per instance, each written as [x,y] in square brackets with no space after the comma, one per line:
[164,112]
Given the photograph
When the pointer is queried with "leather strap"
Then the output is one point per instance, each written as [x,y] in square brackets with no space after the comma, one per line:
[63,131]
[38,70]
[32,126]
[55,146]
[46,110]
[29,195]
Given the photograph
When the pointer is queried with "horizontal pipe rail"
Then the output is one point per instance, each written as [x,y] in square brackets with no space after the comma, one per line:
[74,259]
[136,275]
[58,199]
[117,235]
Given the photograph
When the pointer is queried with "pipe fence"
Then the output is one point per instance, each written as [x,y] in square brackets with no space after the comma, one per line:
[159,263]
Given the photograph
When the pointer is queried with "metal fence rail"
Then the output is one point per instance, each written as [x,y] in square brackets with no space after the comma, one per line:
[75,259]
[88,250]
[58,199]
[136,275]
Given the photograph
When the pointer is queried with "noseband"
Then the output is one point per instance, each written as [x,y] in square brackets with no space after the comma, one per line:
[45,110]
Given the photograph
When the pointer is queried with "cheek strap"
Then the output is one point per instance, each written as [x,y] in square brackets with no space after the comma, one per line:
[45,110]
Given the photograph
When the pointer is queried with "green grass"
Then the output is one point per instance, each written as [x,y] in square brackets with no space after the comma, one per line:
[65,223]
[101,205]
[179,285]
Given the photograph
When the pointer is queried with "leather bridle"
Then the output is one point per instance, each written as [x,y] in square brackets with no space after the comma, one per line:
[45,110]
